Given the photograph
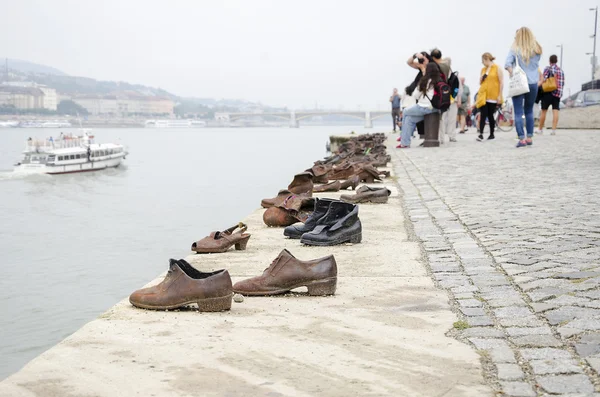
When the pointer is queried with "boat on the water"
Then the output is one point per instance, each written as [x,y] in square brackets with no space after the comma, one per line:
[185,123]
[69,154]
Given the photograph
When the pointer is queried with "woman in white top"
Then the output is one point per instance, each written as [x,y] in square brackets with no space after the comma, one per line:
[423,95]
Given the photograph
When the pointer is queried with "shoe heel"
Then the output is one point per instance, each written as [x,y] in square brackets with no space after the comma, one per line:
[219,304]
[320,288]
[241,245]
[357,238]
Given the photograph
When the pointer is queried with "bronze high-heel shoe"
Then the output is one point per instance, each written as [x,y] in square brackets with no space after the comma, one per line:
[352,183]
[218,242]
[329,187]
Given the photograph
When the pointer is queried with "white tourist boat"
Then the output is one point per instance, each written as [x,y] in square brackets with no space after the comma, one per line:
[69,154]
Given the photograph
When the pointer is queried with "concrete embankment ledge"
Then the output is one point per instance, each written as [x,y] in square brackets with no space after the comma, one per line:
[383,333]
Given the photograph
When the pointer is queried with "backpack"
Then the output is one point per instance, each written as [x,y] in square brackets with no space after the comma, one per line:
[441,96]
[454,84]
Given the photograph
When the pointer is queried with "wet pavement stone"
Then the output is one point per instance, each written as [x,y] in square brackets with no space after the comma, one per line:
[520,257]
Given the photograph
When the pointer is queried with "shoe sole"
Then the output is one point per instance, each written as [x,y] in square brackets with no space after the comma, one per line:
[219,304]
[315,288]
[293,236]
[354,239]
[375,200]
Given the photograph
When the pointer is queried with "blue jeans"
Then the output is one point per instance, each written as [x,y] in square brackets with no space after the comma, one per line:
[411,117]
[524,104]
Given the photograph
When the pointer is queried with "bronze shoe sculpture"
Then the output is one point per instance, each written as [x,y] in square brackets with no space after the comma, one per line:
[302,183]
[184,285]
[286,273]
[271,202]
[366,194]
[329,187]
[319,172]
[352,183]
[294,208]
[218,242]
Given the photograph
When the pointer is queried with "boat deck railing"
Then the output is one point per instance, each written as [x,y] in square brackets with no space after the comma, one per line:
[42,145]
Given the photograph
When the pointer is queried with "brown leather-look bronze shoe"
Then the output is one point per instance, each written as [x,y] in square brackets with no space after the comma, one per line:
[184,285]
[218,242]
[271,202]
[277,216]
[330,187]
[295,208]
[343,172]
[366,194]
[286,273]
[352,182]
[302,183]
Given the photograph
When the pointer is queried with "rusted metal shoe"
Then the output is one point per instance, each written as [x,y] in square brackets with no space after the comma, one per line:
[271,202]
[366,194]
[286,273]
[352,182]
[330,187]
[218,242]
[295,208]
[302,183]
[185,285]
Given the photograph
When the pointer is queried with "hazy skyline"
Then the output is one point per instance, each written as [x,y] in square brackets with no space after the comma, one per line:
[280,53]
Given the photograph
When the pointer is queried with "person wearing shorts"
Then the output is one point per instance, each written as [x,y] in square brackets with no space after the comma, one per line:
[552,98]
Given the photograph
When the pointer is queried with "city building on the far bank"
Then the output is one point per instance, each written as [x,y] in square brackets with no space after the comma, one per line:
[28,95]
[125,104]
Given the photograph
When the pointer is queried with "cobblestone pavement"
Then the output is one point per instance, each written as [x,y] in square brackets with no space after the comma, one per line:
[513,235]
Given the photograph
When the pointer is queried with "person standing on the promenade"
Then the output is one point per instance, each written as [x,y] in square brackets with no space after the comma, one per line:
[448,119]
[552,98]
[416,113]
[528,52]
[395,100]
[489,96]
[465,105]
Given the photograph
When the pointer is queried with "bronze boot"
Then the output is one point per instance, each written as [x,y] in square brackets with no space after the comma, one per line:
[221,241]
[369,174]
[343,172]
[366,194]
[286,273]
[352,183]
[302,183]
[330,187]
[184,285]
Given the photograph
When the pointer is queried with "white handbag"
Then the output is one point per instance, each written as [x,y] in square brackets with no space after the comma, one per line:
[518,84]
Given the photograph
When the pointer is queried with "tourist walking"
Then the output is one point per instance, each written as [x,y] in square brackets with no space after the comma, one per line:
[553,77]
[527,52]
[423,95]
[489,96]
[465,105]
[395,100]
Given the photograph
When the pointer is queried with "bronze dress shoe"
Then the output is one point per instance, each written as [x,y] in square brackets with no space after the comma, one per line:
[366,194]
[350,183]
[184,285]
[302,183]
[286,273]
[218,242]
[272,202]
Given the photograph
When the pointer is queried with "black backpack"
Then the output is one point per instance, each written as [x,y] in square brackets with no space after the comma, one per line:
[441,96]
[454,84]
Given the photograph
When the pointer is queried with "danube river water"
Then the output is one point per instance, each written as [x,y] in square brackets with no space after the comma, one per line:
[71,246]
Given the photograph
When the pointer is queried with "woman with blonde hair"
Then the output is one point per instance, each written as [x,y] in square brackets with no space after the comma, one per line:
[489,95]
[527,52]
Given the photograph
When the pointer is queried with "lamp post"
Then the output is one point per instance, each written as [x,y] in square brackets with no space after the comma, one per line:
[594,36]
[561,54]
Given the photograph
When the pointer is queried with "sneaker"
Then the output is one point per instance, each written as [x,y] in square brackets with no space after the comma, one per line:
[480,138]
[529,142]
[521,143]
[540,132]
[553,132]
[491,137]
[401,146]
[398,139]
[452,139]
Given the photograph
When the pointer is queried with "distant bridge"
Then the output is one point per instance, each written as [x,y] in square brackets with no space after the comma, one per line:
[295,117]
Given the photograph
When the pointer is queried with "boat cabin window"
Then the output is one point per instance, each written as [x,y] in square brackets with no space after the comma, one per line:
[77,156]
[72,157]
[51,158]
[60,158]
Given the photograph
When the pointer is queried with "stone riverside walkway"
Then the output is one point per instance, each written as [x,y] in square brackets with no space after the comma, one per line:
[513,236]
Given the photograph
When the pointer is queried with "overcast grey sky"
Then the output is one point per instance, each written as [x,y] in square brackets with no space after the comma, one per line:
[285,53]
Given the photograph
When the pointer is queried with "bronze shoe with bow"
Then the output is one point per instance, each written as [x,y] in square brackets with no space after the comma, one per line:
[184,285]
[218,242]
[286,273]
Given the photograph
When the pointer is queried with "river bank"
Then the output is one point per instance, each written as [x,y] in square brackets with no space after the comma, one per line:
[383,333]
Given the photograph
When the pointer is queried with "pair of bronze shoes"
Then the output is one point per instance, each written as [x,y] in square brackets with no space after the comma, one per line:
[335,186]
[218,242]
[184,285]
